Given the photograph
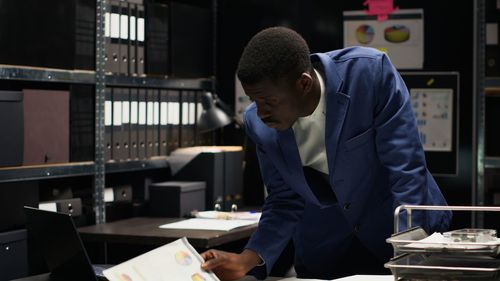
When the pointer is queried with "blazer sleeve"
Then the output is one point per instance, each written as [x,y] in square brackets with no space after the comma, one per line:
[281,212]
[398,144]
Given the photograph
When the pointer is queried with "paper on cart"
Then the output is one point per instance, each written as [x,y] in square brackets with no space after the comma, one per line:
[175,261]
[438,241]
[350,278]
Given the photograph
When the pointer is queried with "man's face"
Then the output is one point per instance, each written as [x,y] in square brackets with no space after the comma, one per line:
[278,103]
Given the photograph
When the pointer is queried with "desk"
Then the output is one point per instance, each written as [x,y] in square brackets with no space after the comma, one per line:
[46,277]
[146,231]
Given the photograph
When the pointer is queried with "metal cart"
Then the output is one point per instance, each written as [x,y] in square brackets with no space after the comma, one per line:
[417,256]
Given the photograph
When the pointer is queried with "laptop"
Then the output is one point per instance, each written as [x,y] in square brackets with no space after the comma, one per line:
[56,237]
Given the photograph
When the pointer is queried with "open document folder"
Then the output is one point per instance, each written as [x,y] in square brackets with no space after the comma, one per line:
[175,261]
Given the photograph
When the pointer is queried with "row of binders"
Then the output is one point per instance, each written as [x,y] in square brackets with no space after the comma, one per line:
[125,34]
[143,123]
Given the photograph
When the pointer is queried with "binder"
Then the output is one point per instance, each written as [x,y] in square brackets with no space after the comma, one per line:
[192,118]
[156,122]
[187,128]
[134,120]
[140,39]
[107,42]
[183,119]
[108,123]
[200,138]
[46,126]
[114,46]
[117,125]
[173,120]
[163,122]
[142,124]
[124,38]
[132,42]
[125,131]
[149,123]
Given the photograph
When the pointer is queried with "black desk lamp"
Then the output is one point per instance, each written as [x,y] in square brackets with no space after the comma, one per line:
[212,116]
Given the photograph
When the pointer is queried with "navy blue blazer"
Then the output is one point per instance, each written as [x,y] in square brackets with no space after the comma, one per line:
[375,160]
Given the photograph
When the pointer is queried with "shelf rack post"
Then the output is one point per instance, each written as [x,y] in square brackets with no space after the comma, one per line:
[99,162]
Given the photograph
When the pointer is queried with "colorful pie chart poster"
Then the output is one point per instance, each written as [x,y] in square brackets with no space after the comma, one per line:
[401,36]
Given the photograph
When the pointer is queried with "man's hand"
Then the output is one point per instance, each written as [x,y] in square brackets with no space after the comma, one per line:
[229,266]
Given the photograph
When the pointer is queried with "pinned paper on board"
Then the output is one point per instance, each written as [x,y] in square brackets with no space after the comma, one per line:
[380,8]
[400,36]
[433,109]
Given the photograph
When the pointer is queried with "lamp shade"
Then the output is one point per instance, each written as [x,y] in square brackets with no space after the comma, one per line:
[212,117]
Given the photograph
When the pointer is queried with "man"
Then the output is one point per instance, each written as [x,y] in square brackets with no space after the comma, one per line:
[339,150]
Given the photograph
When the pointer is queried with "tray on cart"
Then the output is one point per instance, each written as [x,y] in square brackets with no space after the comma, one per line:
[416,240]
[439,267]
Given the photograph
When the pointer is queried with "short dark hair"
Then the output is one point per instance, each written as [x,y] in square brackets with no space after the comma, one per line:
[274,53]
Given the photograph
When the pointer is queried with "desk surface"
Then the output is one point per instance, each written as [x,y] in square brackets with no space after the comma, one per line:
[46,277]
[146,231]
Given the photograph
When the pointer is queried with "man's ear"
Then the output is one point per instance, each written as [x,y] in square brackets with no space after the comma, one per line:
[305,82]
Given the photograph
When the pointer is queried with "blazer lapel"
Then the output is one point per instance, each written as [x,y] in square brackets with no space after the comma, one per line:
[337,104]
[336,110]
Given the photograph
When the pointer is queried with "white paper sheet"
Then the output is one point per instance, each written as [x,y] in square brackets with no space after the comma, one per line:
[438,241]
[175,261]
[433,110]
[208,224]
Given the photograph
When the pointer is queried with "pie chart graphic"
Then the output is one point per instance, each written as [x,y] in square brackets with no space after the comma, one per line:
[365,34]
[183,258]
[197,277]
[397,34]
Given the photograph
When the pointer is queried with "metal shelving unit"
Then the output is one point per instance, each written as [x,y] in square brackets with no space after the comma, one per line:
[100,79]
[38,172]
[100,86]
[155,82]
[158,162]
[40,74]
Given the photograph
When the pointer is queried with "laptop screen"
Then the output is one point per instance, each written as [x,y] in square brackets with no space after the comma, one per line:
[55,235]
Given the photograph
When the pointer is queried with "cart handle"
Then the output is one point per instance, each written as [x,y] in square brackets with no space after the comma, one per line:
[409,209]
